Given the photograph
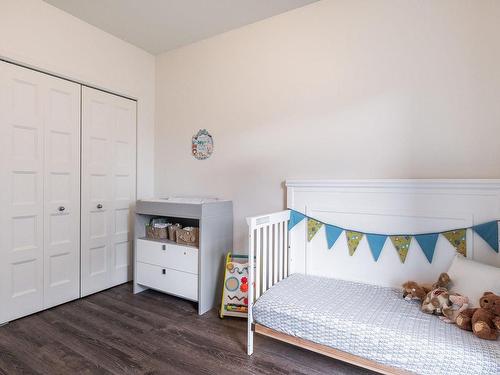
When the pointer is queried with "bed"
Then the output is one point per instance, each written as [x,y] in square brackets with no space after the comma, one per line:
[351,307]
[373,323]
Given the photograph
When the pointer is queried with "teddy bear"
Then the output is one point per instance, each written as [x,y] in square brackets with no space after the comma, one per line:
[414,290]
[459,303]
[442,282]
[483,321]
[436,301]
[439,297]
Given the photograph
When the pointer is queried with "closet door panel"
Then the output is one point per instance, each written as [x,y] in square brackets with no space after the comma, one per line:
[21,175]
[62,192]
[108,183]
[124,182]
[97,144]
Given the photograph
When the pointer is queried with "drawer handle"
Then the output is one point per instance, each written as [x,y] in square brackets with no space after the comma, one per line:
[164,271]
[164,247]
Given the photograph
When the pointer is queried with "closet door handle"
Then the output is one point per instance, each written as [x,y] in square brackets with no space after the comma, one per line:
[164,271]
[99,206]
[164,247]
[61,208]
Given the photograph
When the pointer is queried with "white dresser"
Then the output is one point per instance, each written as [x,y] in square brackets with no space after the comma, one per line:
[193,273]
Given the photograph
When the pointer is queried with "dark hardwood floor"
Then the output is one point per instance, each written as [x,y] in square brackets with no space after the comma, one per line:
[117,332]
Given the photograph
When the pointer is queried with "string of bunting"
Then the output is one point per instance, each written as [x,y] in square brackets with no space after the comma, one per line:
[401,242]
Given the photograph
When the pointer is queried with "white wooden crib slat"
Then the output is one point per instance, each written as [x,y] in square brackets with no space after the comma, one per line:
[264,259]
[257,249]
[285,249]
[270,258]
[276,253]
[283,244]
[280,251]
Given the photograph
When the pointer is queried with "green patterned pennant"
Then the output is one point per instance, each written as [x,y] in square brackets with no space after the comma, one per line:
[313,227]
[457,240]
[353,239]
[402,245]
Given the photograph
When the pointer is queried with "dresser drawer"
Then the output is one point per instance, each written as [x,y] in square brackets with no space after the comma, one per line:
[178,257]
[167,280]
[182,258]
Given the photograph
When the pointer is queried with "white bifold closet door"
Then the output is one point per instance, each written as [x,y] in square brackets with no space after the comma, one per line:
[40,197]
[108,189]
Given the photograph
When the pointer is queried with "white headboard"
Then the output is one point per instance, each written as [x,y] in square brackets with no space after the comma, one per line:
[389,206]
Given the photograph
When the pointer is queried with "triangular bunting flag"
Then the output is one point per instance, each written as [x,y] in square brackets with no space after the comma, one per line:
[295,218]
[332,233]
[313,227]
[457,239]
[376,242]
[353,239]
[489,233]
[427,243]
[402,245]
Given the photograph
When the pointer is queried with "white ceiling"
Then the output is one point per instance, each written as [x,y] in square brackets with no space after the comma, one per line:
[161,25]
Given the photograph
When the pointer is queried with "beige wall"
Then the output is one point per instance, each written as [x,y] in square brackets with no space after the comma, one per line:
[337,89]
[37,34]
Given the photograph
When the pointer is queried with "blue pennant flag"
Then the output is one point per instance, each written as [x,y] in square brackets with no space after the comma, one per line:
[376,242]
[489,233]
[427,243]
[295,218]
[332,233]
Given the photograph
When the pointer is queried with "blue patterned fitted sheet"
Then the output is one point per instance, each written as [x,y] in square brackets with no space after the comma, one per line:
[375,323]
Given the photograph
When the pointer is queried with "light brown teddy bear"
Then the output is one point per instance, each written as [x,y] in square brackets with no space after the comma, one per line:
[483,321]
[439,297]
[436,301]
[414,290]
[442,282]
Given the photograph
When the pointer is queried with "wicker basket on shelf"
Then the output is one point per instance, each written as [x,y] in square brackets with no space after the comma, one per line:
[156,233]
[188,236]
[172,229]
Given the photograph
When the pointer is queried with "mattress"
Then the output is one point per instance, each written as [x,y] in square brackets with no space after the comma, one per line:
[375,323]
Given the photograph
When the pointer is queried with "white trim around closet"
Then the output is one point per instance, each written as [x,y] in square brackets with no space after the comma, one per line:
[21,63]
